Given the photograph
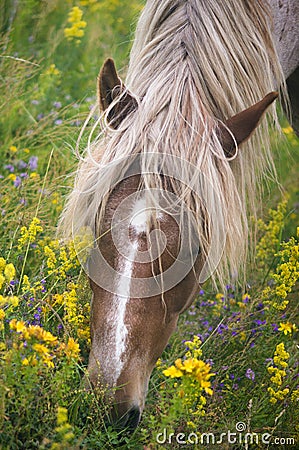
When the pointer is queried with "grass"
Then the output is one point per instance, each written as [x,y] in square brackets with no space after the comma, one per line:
[47,87]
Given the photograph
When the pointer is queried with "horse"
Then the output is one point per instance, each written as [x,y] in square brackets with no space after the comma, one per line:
[165,187]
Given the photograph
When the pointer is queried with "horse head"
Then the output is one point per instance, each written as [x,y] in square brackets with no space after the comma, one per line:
[132,321]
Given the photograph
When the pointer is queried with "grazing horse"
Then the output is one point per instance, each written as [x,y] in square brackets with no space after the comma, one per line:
[164,187]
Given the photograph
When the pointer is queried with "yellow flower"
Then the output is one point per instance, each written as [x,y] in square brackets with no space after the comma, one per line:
[2,280]
[28,235]
[287,327]
[13,149]
[2,314]
[2,263]
[17,325]
[206,385]
[14,301]
[61,415]
[172,372]
[10,272]
[77,25]
[48,337]
[72,349]
[288,130]
[41,349]
[190,364]
[52,70]
[12,176]
[25,284]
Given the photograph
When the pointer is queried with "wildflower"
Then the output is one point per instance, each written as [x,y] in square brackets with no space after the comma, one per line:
[52,70]
[2,263]
[13,149]
[288,130]
[9,272]
[172,372]
[77,25]
[285,276]
[25,284]
[51,258]
[250,374]
[246,298]
[2,314]
[28,235]
[2,280]
[9,167]
[32,164]
[287,327]
[12,177]
[14,301]
[41,349]
[72,349]
[267,246]
[278,373]
[61,415]
[17,325]
[17,182]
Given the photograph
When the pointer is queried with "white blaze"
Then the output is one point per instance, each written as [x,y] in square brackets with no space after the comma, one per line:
[139,218]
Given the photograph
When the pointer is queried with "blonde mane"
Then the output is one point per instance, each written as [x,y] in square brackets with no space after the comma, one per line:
[193,64]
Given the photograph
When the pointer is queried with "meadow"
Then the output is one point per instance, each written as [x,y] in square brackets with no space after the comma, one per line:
[231,367]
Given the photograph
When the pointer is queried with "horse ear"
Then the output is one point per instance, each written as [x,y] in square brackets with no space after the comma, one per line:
[243,124]
[110,87]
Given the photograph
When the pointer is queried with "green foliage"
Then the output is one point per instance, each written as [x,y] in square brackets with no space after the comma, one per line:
[248,340]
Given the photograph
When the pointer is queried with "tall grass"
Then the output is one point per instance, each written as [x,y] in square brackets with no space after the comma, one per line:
[47,87]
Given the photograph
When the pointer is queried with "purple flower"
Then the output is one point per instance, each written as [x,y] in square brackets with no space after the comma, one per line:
[57,105]
[40,116]
[32,164]
[260,322]
[58,122]
[76,123]
[221,327]
[250,374]
[201,292]
[9,167]
[22,164]
[34,102]
[17,182]
[275,326]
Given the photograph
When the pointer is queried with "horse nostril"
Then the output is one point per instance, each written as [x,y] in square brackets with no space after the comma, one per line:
[133,417]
